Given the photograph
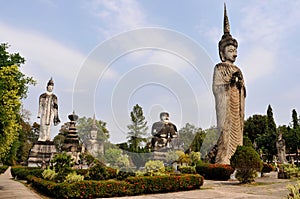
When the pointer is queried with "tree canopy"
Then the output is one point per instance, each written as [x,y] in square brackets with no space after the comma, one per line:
[13,87]
[137,129]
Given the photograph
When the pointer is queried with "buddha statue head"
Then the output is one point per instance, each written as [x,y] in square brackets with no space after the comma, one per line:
[227,45]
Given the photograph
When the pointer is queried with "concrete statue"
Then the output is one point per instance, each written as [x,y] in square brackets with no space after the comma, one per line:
[280,145]
[229,91]
[48,112]
[163,132]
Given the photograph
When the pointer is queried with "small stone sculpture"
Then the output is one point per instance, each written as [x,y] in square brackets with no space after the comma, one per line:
[48,112]
[229,91]
[163,132]
[280,145]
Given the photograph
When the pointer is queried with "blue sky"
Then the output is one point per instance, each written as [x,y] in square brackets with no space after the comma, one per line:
[62,38]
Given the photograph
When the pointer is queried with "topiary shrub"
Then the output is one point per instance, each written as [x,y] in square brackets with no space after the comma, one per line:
[247,163]
[214,171]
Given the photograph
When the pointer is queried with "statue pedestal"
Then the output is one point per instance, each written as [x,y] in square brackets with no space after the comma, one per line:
[41,153]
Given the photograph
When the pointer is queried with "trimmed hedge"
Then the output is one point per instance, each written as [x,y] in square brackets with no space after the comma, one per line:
[214,171]
[162,184]
[114,188]
[187,170]
[3,168]
[21,172]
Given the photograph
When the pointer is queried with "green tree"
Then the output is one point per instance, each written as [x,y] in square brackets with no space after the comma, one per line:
[198,140]
[59,139]
[115,158]
[138,128]
[292,135]
[267,140]
[255,126]
[211,137]
[191,137]
[295,120]
[13,87]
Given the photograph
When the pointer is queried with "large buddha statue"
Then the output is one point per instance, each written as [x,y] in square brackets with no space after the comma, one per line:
[48,112]
[229,91]
[163,132]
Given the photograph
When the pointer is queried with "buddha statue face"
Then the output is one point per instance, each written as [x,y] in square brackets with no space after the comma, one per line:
[164,117]
[50,88]
[93,135]
[229,54]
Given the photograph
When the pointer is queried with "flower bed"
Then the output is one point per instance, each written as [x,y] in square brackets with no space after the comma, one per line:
[114,188]
[214,171]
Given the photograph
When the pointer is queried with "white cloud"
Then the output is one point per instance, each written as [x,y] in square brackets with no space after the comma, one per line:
[117,16]
[263,34]
[43,55]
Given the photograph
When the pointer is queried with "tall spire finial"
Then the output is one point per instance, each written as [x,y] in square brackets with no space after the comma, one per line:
[226,22]
[94,126]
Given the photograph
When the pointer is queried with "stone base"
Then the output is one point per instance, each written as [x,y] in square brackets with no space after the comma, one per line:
[41,153]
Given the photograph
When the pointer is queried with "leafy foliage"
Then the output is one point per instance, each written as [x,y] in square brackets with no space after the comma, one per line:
[13,87]
[247,163]
[73,177]
[191,137]
[62,163]
[153,166]
[211,137]
[138,128]
[49,174]
[115,158]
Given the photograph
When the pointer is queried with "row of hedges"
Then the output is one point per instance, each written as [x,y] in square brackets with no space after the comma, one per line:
[21,173]
[114,188]
[214,171]
[3,168]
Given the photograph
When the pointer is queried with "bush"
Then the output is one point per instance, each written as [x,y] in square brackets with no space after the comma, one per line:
[21,172]
[214,171]
[3,168]
[122,175]
[169,169]
[153,166]
[247,163]
[187,170]
[111,173]
[49,174]
[62,163]
[73,177]
[112,188]
[97,172]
